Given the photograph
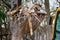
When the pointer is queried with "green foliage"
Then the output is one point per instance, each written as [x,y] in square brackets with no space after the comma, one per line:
[2,14]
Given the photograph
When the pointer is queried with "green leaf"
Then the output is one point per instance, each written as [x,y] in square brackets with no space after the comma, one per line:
[2,14]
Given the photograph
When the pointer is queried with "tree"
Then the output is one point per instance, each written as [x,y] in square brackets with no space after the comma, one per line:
[47,8]
[19,2]
[3,17]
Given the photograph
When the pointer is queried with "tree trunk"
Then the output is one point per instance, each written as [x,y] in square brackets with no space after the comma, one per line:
[19,2]
[47,8]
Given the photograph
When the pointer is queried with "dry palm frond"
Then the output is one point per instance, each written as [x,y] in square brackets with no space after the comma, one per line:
[26,22]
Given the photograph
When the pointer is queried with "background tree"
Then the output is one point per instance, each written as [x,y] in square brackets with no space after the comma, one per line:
[3,17]
[47,9]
